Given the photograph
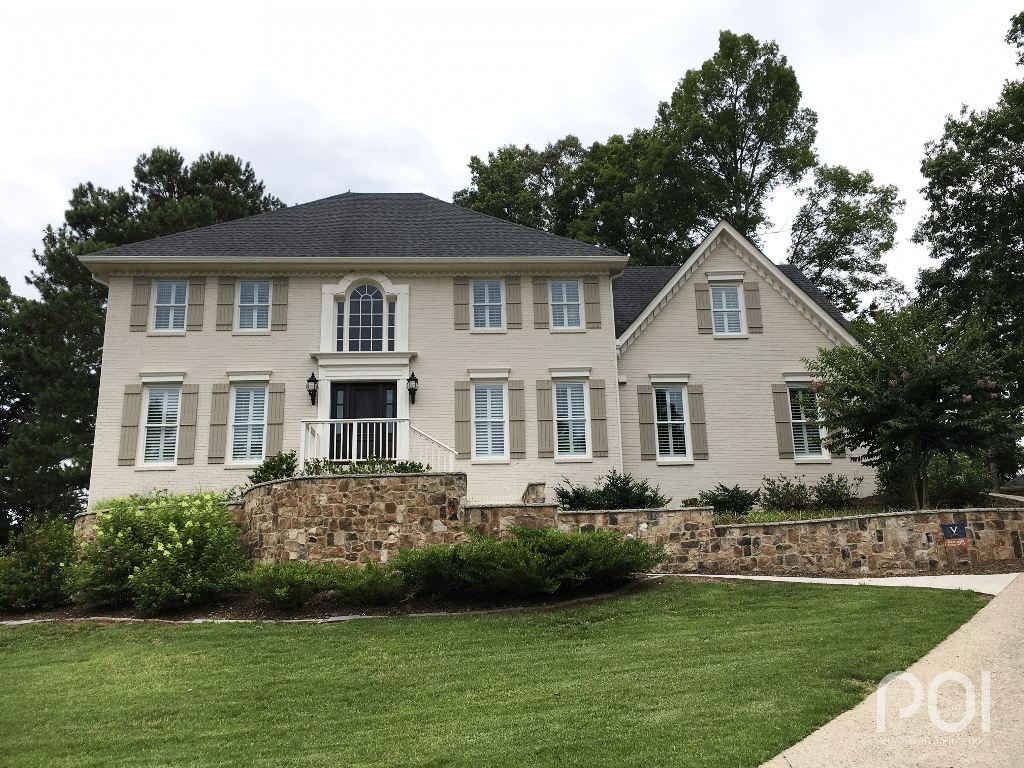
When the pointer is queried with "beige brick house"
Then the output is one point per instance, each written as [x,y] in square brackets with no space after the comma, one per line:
[431,332]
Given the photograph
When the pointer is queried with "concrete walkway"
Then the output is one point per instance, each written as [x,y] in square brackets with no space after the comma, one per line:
[986,653]
[986,585]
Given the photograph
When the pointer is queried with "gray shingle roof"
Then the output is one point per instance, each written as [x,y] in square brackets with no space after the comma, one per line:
[813,292]
[354,225]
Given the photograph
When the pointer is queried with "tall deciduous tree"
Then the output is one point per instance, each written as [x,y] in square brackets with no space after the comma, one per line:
[842,230]
[914,389]
[54,345]
[975,223]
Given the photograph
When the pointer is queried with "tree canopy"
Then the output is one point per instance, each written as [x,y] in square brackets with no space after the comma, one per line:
[50,348]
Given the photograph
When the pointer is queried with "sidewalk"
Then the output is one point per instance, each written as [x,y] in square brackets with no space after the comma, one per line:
[991,642]
[991,584]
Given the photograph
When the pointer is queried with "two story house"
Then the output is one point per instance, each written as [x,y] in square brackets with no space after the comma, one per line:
[398,325]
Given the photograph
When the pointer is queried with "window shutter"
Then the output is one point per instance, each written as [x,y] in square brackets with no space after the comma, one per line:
[783,420]
[513,303]
[648,437]
[540,303]
[196,302]
[703,293]
[752,301]
[275,420]
[187,423]
[698,422]
[139,320]
[130,425]
[279,306]
[545,419]
[592,300]
[517,419]
[461,286]
[226,304]
[218,424]
[462,420]
[598,420]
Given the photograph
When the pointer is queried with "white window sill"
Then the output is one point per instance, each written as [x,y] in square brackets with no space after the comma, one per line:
[255,332]
[730,336]
[574,460]
[813,460]
[487,330]
[165,333]
[568,330]
[501,460]
[155,467]
[674,462]
[246,465]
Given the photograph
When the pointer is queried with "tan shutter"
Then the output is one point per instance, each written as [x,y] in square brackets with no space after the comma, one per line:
[783,420]
[698,422]
[513,303]
[196,302]
[648,435]
[219,408]
[517,419]
[592,300]
[463,438]
[139,320]
[598,420]
[461,286]
[541,312]
[187,423]
[226,304]
[275,420]
[752,301]
[545,421]
[704,320]
[279,305]
[130,412]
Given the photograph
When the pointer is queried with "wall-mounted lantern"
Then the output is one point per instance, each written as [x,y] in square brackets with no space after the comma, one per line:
[312,385]
[413,384]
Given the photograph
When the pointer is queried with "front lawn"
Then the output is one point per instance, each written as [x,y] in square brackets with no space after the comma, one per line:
[682,674]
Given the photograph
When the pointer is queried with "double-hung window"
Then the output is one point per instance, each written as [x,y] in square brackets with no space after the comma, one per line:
[490,422]
[570,418]
[487,302]
[161,441]
[725,309]
[370,322]
[248,423]
[254,305]
[806,432]
[565,304]
[170,305]
[670,421]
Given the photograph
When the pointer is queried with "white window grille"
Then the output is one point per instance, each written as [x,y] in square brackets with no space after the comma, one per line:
[489,421]
[725,307]
[806,433]
[254,305]
[161,441]
[565,304]
[171,297]
[248,424]
[670,419]
[487,304]
[571,418]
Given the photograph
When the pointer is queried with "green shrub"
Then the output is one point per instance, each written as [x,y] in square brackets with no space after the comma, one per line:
[613,491]
[732,501]
[374,584]
[372,466]
[835,492]
[280,466]
[35,564]
[288,585]
[786,493]
[171,551]
[957,481]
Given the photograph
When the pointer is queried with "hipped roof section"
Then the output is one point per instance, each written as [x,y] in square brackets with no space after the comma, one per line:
[357,227]
[642,292]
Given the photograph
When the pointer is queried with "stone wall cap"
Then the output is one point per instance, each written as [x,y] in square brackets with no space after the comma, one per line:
[626,511]
[867,515]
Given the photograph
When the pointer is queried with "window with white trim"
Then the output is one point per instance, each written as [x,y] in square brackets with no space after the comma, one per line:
[161,439]
[726,309]
[571,418]
[248,423]
[487,301]
[670,421]
[170,305]
[254,305]
[806,433]
[565,304]
[490,422]
[369,324]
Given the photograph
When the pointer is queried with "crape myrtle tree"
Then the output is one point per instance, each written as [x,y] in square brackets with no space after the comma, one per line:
[53,345]
[915,388]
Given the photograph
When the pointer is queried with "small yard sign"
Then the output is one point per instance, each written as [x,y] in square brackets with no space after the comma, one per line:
[955,535]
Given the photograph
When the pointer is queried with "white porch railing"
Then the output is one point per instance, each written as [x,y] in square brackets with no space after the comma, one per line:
[356,440]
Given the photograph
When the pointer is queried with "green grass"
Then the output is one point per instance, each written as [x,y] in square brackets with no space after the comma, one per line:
[681,674]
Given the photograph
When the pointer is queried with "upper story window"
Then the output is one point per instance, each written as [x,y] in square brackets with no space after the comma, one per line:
[254,305]
[161,441]
[170,305]
[670,421]
[487,302]
[725,309]
[368,322]
[565,304]
[806,433]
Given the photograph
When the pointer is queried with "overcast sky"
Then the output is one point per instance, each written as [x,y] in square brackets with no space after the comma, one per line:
[326,97]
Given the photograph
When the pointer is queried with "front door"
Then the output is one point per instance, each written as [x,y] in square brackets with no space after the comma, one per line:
[362,436]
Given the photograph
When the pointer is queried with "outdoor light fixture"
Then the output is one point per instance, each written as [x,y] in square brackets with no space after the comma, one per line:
[413,385]
[312,385]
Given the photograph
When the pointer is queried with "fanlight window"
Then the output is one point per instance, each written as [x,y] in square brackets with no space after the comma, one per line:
[370,321]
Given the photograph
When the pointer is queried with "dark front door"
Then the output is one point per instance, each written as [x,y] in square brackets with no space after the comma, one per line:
[360,403]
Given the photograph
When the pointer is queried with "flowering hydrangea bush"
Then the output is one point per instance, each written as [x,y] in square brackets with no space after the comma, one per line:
[162,551]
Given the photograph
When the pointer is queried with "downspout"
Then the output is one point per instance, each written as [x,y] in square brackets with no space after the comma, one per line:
[615,357]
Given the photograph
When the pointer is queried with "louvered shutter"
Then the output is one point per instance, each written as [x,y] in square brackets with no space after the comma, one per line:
[698,425]
[130,412]
[540,302]
[219,407]
[196,303]
[462,420]
[752,301]
[226,303]
[187,423]
[592,300]
[141,292]
[783,420]
[648,435]
[461,288]
[545,426]
[513,303]
[279,305]
[598,420]
[702,291]
[517,419]
[275,419]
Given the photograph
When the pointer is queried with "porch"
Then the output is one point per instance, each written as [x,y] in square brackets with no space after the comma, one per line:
[357,440]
